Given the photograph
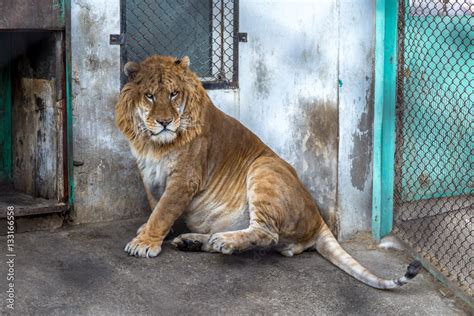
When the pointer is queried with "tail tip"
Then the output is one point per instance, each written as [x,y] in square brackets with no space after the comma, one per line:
[413,269]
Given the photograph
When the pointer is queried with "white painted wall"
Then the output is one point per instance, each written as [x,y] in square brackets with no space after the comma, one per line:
[297,56]
[288,83]
[289,72]
[356,72]
[108,185]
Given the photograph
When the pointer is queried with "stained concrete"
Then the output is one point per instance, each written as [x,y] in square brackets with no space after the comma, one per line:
[305,62]
[108,171]
[288,73]
[83,270]
[356,102]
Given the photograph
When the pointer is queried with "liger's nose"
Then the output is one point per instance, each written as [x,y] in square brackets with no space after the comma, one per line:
[164,122]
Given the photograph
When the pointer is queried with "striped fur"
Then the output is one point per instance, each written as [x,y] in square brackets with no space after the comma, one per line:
[232,190]
[329,248]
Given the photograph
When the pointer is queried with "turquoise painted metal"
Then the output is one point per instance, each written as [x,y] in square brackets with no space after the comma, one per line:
[438,117]
[5,125]
[384,116]
[66,15]
[70,163]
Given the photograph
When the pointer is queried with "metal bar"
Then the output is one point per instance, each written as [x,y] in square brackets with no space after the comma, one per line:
[64,114]
[384,116]
[216,85]
[388,120]
[235,71]
[69,177]
[222,70]
[378,110]
[123,48]
[6,174]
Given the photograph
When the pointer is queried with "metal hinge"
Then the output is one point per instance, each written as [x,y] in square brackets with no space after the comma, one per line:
[242,37]
[117,39]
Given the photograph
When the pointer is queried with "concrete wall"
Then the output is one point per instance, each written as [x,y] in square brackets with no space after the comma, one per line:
[108,185]
[305,88]
[356,102]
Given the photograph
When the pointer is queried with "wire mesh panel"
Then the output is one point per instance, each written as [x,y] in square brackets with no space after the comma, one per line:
[434,177]
[204,30]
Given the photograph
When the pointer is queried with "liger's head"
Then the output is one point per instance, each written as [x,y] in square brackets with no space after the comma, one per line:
[155,104]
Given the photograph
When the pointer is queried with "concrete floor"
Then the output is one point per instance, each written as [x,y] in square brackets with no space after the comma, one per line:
[83,270]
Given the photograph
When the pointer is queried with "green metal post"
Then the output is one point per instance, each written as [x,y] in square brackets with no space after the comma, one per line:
[70,165]
[384,116]
[6,167]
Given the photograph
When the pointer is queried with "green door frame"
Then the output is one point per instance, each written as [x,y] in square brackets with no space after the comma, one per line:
[6,108]
[66,15]
[386,18]
[5,125]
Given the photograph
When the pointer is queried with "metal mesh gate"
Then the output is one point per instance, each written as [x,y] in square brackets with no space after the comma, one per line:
[434,178]
[205,30]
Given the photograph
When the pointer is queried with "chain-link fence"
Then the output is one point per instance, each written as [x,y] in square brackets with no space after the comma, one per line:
[433,198]
[204,30]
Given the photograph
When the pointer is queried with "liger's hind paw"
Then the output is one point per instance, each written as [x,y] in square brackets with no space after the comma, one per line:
[184,244]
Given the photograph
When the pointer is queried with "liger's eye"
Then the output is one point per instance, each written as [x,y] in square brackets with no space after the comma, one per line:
[149,96]
[173,94]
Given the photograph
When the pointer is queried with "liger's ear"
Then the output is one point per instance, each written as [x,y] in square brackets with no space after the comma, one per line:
[130,69]
[184,62]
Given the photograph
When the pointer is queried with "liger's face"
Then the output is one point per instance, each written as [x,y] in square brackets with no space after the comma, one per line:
[160,97]
[160,110]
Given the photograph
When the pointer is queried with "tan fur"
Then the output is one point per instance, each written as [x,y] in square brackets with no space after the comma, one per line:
[233,191]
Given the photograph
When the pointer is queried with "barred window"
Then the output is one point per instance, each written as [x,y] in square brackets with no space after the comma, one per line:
[204,30]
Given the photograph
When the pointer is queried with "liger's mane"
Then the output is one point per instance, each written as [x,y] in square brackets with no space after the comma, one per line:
[196,104]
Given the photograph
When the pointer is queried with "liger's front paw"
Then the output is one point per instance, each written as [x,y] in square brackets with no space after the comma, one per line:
[142,246]
[224,243]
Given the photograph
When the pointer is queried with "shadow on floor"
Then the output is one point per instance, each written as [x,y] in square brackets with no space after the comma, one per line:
[83,270]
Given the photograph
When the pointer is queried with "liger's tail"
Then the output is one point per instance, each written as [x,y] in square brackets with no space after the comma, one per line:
[328,247]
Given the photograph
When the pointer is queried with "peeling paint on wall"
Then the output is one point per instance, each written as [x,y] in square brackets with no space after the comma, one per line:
[362,145]
[316,140]
[356,71]
[35,143]
[261,73]
[108,185]
[262,80]
[288,88]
